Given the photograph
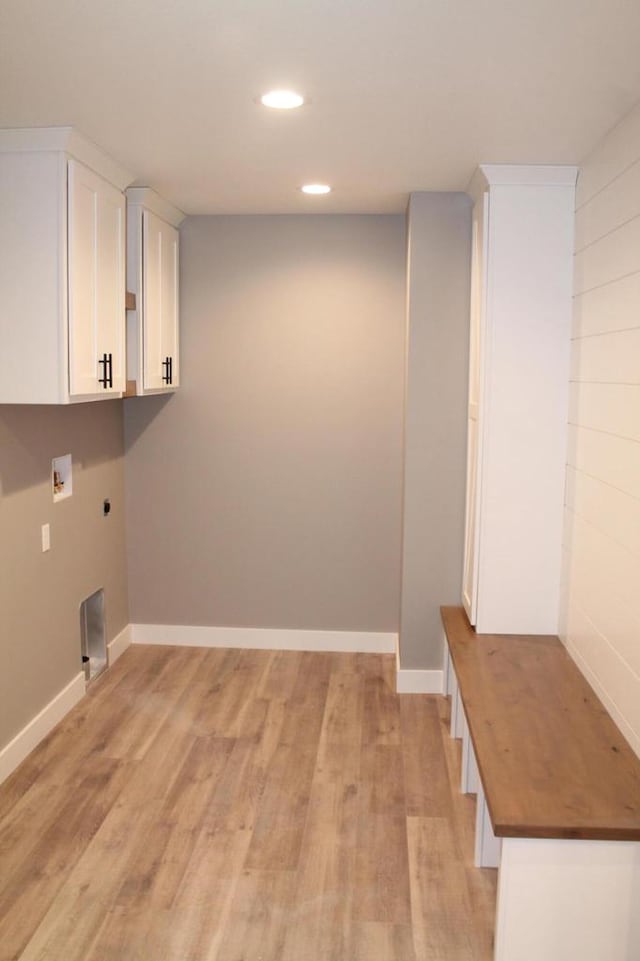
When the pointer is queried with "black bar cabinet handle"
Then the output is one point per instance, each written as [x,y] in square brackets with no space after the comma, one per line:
[104,380]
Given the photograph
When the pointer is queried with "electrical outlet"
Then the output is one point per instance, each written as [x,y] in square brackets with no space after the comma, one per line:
[46,538]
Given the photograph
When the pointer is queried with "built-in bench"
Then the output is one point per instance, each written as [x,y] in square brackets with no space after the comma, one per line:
[558,808]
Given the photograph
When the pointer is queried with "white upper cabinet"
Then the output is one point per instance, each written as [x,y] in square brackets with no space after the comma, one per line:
[518,396]
[96,284]
[153,351]
[62,269]
[477,326]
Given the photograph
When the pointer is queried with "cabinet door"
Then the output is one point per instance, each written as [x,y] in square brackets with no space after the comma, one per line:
[469,584]
[111,284]
[96,219]
[160,303]
[474,431]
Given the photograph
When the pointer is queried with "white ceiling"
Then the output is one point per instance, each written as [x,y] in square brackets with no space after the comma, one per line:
[406,95]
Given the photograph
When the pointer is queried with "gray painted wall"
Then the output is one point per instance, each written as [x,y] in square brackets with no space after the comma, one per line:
[40,593]
[439,251]
[267,491]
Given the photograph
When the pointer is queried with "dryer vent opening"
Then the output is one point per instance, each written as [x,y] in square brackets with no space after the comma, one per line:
[92,633]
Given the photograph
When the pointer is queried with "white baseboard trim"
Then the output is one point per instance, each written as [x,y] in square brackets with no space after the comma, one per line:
[30,736]
[118,645]
[265,639]
[417,681]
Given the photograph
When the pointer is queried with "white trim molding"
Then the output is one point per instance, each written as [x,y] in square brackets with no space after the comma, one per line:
[118,645]
[68,140]
[264,638]
[38,727]
[417,681]
[147,197]
[518,175]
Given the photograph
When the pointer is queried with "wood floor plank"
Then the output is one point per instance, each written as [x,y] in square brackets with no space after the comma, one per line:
[212,805]
[382,874]
[344,707]
[440,907]
[326,874]
[381,786]
[381,711]
[89,893]
[257,921]
[375,941]
[161,857]
[53,763]
[481,882]
[279,824]
[426,783]
[204,900]
[149,709]
[75,917]
[33,882]
[239,789]
[304,716]
[462,807]
[230,707]
[326,877]
[33,815]
[281,675]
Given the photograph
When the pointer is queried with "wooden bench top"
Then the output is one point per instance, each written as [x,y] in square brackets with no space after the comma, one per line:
[552,762]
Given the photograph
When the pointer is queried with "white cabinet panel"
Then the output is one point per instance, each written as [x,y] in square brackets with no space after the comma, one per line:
[567,900]
[152,301]
[169,313]
[111,283]
[83,328]
[62,247]
[476,339]
[152,275]
[470,580]
[521,318]
[96,284]
[160,302]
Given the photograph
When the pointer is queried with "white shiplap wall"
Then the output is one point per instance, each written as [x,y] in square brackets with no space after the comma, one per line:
[601,589]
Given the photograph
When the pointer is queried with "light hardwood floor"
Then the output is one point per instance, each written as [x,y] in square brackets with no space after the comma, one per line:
[211,805]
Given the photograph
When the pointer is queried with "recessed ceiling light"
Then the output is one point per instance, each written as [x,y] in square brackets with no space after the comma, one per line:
[316,189]
[282,99]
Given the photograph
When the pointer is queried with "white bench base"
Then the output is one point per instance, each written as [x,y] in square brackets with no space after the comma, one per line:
[562,900]
[558,900]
